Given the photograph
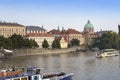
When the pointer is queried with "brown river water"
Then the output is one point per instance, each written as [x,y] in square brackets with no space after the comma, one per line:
[85,66]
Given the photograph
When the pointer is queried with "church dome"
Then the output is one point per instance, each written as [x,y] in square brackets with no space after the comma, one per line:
[88,25]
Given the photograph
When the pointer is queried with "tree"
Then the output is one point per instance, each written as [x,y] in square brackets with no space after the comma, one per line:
[30,43]
[45,44]
[19,42]
[74,42]
[107,40]
[56,44]
[5,42]
[35,44]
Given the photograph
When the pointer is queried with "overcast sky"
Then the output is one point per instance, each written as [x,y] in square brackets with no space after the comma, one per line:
[103,14]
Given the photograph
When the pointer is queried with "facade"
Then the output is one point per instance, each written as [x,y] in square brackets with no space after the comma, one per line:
[39,38]
[35,29]
[119,30]
[63,43]
[89,33]
[8,29]
[73,34]
[68,35]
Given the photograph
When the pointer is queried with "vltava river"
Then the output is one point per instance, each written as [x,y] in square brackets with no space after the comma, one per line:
[85,66]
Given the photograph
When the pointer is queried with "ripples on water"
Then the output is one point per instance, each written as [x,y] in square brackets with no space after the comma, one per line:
[85,66]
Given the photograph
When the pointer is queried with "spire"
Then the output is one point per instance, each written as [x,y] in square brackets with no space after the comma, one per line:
[58,28]
[42,26]
[88,21]
[62,28]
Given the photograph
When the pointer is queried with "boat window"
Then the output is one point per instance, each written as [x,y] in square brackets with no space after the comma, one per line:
[38,71]
[25,78]
[16,79]
[35,77]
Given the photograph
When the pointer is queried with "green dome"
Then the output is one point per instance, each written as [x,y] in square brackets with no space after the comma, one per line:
[88,25]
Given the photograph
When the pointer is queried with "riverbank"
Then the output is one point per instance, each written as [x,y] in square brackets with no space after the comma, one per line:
[25,52]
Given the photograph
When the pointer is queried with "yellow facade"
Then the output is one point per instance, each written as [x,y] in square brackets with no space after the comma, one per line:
[63,43]
[77,36]
[8,30]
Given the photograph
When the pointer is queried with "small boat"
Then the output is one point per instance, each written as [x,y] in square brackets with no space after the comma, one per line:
[107,53]
[5,53]
[33,73]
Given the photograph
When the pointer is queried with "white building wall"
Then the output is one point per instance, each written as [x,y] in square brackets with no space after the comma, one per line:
[40,40]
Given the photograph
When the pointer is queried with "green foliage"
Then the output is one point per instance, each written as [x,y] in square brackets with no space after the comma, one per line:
[107,40]
[45,44]
[5,42]
[30,43]
[74,42]
[17,41]
[56,44]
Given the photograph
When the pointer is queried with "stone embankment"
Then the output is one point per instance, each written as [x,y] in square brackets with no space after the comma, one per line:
[25,52]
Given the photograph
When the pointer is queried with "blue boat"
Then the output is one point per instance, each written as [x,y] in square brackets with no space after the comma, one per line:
[33,73]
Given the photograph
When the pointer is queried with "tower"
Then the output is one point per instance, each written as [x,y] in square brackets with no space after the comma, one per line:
[88,30]
[89,27]
[119,29]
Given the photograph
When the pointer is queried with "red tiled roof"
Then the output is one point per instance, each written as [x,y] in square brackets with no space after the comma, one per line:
[72,31]
[69,31]
[39,35]
[54,31]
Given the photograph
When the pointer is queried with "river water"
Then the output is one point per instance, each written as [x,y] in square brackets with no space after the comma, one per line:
[85,66]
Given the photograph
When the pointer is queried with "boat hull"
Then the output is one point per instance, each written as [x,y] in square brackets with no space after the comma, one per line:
[68,77]
[107,53]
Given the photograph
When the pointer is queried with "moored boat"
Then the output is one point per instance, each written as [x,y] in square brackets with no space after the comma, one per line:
[33,73]
[107,53]
[5,53]
[11,72]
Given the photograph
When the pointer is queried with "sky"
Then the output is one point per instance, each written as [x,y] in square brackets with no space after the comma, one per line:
[103,14]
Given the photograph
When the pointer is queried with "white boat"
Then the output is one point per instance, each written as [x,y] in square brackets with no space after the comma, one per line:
[107,53]
[5,53]
[32,73]
[8,51]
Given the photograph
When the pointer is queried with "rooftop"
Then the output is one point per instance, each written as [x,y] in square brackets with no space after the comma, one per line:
[35,28]
[9,24]
[88,25]
[69,31]
[39,35]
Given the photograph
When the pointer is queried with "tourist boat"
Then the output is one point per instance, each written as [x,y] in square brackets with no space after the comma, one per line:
[32,73]
[107,53]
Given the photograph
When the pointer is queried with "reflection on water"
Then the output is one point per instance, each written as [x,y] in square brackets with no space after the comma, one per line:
[85,66]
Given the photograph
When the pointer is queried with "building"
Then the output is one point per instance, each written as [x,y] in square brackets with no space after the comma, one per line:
[68,35]
[8,29]
[119,30]
[89,33]
[74,34]
[35,29]
[39,38]
[100,33]
[88,28]
[63,43]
